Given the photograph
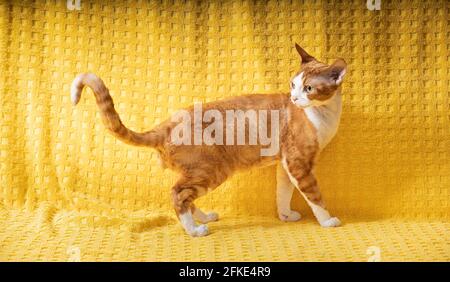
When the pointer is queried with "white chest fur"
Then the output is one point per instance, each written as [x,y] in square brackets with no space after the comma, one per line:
[326,119]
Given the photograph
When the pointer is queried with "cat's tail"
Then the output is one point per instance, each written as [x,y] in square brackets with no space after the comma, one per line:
[110,117]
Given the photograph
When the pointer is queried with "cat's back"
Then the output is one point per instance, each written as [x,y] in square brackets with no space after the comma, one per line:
[222,155]
[250,102]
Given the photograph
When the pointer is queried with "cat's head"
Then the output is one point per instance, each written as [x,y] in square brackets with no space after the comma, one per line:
[316,83]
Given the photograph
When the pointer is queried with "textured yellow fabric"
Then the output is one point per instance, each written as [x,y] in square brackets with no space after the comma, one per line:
[68,187]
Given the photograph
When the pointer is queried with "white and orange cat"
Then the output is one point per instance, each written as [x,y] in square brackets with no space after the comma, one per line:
[308,119]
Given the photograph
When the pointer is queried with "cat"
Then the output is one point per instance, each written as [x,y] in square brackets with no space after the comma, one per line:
[308,119]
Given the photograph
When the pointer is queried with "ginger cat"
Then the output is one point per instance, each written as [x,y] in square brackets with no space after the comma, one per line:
[305,121]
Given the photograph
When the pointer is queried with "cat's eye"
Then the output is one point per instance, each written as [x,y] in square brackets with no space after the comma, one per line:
[308,88]
[292,85]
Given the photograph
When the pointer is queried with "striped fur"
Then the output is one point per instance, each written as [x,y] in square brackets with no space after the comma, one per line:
[202,168]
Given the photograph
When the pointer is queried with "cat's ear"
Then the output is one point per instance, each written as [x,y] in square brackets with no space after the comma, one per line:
[306,58]
[336,72]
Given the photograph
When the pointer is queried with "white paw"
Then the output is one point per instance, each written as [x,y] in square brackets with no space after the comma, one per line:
[201,230]
[290,216]
[331,222]
[212,216]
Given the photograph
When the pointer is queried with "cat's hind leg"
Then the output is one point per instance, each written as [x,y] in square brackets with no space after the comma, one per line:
[202,217]
[184,192]
[285,189]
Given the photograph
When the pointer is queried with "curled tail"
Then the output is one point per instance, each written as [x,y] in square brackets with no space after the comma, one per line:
[109,115]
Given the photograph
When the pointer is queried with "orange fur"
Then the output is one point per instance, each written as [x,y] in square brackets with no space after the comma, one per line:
[204,167]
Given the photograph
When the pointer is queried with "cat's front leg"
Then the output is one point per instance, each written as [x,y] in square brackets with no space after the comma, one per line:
[285,189]
[305,181]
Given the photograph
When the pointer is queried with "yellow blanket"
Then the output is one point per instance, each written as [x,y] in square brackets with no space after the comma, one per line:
[71,191]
